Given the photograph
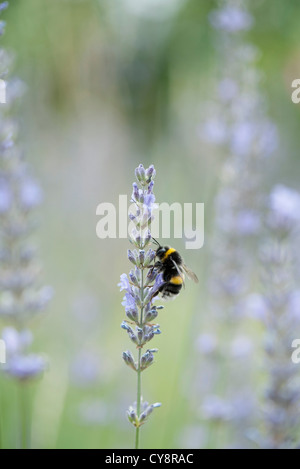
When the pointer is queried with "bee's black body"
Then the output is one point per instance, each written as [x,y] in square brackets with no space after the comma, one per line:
[170,264]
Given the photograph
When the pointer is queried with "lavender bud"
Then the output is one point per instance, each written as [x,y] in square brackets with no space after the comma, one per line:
[143,417]
[130,332]
[132,417]
[141,174]
[135,193]
[147,359]
[142,257]
[133,337]
[128,359]
[137,273]
[150,256]
[132,314]
[126,327]
[150,175]
[133,278]
[150,277]
[137,174]
[150,188]
[147,238]
[159,281]
[148,296]
[145,414]
[151,315]
[148,333]
[138,299]
[133,217]
[141,197]
[140,334]
[132,256]
[136,237]
[146,218]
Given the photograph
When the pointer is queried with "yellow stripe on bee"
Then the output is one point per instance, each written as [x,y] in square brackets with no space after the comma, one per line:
[176,280]
[168,253]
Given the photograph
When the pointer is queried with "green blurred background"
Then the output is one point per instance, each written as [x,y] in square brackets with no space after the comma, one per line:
[111,84]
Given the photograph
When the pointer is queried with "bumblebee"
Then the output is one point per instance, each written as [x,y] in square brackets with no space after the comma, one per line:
[173,269]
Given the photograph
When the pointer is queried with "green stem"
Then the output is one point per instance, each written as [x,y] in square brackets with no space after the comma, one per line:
[1,419]
[139,371]
[25,429]
[138,404]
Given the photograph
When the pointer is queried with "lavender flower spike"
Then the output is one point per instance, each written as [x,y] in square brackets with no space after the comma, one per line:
[21,295]
[140,290]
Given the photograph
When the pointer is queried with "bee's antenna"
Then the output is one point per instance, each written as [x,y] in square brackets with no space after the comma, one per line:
[156,242]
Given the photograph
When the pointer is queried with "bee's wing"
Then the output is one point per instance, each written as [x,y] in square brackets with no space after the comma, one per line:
[190,274]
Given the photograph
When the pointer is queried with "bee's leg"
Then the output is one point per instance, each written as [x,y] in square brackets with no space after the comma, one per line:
[157,266]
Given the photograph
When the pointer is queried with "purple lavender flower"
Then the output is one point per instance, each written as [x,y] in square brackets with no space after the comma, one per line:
[24,367]
[255,307]
[124,284]
[3,6]
[85,369]
[141,290]
[248,222]
[284,208]
[231,19]
[19,363]
[206,343]
[216,408]
[228,89]
[30,195]
[214,131]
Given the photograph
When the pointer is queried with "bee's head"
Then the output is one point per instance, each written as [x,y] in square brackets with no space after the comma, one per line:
[161,251]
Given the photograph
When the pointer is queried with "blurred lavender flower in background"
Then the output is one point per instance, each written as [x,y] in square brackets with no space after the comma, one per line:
[242,128]
[21,295]
[248,221]
[231,18]
[238,123]
[19,363]
[284,214]
[279,285]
